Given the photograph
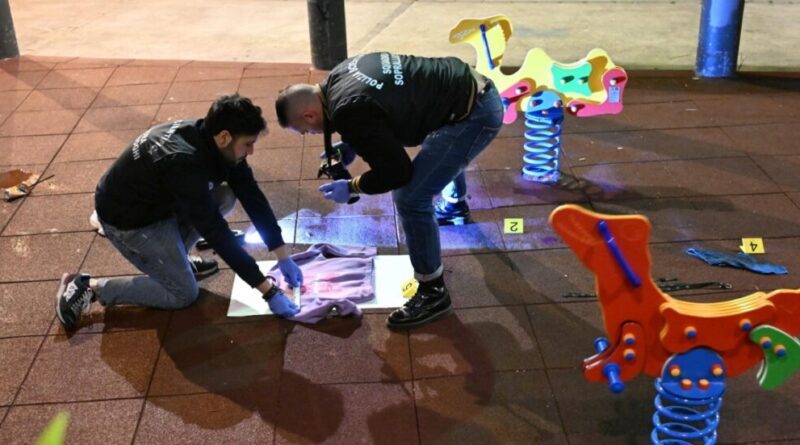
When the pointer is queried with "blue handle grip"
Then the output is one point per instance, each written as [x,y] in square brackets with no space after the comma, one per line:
[611,371]
[634,279]
[486,45]
[601,344]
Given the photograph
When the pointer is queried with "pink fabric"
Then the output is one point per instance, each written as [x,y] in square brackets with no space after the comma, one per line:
[333,277]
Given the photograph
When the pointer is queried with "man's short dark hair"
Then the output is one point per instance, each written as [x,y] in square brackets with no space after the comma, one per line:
[237,114]
[282,107]
[292,97]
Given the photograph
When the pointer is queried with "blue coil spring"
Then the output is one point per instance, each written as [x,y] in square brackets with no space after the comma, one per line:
[684,421]
[543,142]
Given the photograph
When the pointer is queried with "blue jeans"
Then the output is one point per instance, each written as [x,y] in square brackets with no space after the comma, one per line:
[160,252]
[439,166]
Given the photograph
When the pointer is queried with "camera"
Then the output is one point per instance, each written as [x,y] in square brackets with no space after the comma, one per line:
[336,170]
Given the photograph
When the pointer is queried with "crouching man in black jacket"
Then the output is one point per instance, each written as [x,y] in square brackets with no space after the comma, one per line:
[163,193]
[380,103]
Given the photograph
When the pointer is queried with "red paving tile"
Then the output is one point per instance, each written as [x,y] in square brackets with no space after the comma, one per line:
[477,409]
[723,217]
[109,366]
[10,100]
[571,329]
[282,197]
[59,99]
[81,62]
[193,72]
[72,177]
[764,139]
[7,210]
[269,86]
[275,165]
[42,257]
[208,418]
[95,423]
[133,75]
[75,78]
[26,308]
[675,179]
[183,110]
[17,355]
[475,341]
[22,80]
[332,414]
[26,150]
[276,69]
[593,415]
[95,146]
[29,123]
[230,359]
[487,279]
[348,350]
[124,95]
[508,188]
[708,161]
[135,117]
[52,214]
[535,232]
[649,145]
[207,90]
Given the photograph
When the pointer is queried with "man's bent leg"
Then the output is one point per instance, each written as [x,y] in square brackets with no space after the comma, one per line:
[159,252]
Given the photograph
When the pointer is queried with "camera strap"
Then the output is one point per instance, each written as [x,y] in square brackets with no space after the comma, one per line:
[327,139]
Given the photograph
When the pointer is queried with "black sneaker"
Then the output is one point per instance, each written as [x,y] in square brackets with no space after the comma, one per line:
[202,267]
[431,302]
[74,298]
[451,213]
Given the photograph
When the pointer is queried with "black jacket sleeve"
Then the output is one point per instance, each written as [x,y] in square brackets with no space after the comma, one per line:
[367,131]
[256,205]
[188,184]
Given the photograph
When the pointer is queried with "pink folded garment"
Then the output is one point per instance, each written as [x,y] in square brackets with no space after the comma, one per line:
[333,277]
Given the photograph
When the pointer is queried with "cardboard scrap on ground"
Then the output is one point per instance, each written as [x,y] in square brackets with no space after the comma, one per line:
[17,183]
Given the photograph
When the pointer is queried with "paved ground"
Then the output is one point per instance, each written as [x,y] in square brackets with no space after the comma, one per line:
[708,162]
[642,34]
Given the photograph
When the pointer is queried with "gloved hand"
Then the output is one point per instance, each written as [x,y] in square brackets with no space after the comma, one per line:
[282,306]
[338,191]
[291,272]
[347,152]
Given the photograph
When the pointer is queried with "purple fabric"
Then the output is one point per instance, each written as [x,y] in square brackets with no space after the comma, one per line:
[333,277]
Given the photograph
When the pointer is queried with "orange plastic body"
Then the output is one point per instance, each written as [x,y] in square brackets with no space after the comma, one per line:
[669,326]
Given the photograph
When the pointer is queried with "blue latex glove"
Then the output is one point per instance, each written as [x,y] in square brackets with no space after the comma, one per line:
[291,272]
[347,152]
[282,306]
[338,191]
[739,260]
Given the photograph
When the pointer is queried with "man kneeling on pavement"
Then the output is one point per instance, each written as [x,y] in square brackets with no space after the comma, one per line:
[172,185]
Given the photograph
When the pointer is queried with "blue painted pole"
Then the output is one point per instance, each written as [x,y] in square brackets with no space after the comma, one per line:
[8,39]
[718,45]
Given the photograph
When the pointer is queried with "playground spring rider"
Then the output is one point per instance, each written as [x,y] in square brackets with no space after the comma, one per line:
[689,347]
[541,88]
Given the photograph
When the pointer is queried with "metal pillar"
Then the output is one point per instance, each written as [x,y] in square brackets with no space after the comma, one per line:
[718,45]
[328,33]
[8,39]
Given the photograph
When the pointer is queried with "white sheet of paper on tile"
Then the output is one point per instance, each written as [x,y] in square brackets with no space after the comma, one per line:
[389,274]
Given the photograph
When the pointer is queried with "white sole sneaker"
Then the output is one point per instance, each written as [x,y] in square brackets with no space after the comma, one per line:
[65,280]
[96,223]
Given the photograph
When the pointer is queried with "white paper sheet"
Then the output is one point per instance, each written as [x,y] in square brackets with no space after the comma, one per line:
[390,272]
